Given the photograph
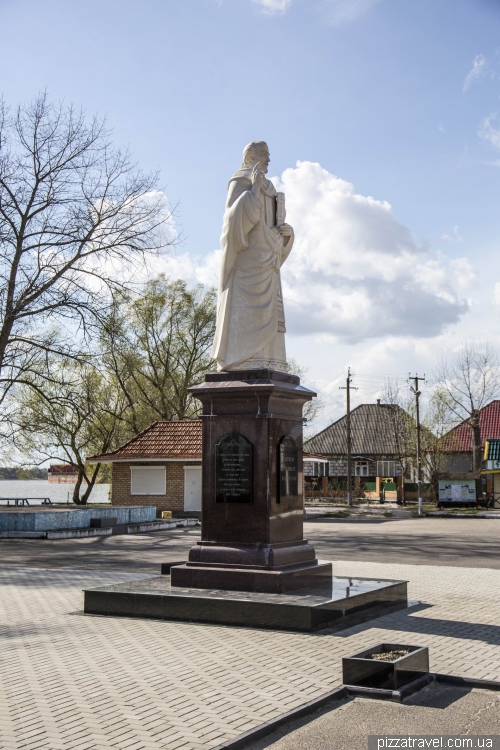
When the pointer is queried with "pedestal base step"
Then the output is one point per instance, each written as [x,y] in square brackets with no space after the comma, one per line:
[252,580]
[345,602]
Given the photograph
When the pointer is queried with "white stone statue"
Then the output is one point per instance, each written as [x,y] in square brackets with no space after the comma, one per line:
[255,242]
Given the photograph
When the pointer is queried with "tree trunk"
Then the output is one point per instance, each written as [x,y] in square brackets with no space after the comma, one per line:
[90,486]
[76,492]
[401,492]
[476,441]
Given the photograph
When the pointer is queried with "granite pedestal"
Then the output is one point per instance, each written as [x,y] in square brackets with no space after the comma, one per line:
[252,478]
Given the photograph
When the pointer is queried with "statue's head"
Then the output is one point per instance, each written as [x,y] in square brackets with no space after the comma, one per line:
[257,151]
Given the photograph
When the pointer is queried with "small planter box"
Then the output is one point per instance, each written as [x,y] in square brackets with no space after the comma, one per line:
[363,671]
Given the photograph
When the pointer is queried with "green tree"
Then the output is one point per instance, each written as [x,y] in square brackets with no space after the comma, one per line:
[73,412]
[155,347]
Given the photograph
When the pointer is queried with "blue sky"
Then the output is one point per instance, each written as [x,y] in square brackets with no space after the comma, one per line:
[396,100]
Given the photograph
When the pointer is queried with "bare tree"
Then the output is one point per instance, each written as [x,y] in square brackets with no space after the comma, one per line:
[312,409]
[400,413]
[435,424]
[158,345]
[71,414]
[75,214]
[466,382]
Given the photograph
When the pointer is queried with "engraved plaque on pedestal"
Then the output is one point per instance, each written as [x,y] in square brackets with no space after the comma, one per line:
[288,468]
[233,469]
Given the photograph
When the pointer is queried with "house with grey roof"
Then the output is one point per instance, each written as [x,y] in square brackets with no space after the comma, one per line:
[378,435]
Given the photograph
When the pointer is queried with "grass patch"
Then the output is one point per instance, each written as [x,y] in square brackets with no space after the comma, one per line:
[461,511]
[427,510]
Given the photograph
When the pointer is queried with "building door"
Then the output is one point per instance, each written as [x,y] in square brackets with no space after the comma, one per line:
[496,490]
[192,488]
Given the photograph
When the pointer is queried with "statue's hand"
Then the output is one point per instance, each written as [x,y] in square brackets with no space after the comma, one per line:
[257,178]
[285,230]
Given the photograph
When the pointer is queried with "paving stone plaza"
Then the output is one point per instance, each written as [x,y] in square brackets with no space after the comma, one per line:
[74,681]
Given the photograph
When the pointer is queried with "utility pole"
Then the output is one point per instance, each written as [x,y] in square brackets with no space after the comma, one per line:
[415,390]
[347,388]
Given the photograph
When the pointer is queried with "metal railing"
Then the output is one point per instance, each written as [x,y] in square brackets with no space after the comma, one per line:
[24,500]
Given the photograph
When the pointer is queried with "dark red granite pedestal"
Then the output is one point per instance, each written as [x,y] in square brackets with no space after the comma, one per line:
[252,497]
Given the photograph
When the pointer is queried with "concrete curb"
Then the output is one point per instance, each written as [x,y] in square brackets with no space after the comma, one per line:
[446,514]
[271,726]
[348,691]
[134,528]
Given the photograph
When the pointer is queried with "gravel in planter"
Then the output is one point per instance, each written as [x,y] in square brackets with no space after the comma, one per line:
[390,655]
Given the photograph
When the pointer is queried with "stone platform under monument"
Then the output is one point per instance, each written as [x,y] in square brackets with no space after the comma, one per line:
[341,604]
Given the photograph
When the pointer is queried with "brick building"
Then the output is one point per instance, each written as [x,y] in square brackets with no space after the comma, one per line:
[62,473]
[457,443]
[160,466]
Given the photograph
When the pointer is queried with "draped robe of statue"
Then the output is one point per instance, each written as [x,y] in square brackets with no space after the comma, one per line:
[250,331]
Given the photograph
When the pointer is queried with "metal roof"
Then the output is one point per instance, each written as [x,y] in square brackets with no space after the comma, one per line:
[372,430]
[314,457]
[459,439]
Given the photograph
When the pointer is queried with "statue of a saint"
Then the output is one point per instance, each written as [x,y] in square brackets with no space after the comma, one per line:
[255,243]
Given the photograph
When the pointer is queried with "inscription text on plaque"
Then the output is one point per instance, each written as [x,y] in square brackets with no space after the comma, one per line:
[233,469]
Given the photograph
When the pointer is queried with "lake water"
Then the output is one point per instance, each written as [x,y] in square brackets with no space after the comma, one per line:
[58,493]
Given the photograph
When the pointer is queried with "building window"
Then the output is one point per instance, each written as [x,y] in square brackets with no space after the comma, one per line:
[316,468]
[148,480]
[385,469]
[361,468]
[321,468]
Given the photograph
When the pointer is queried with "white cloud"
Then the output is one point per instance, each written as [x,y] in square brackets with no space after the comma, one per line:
[344,11]
[463,273]
[455,236]
[356,272]
[496,295]
[488,132]
[190,268]
[478,70]
[274,6]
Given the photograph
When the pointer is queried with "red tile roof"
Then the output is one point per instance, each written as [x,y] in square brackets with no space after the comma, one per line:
[60,469]
[180,440]
[459,439]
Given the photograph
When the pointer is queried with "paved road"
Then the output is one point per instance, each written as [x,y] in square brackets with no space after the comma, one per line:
[469,543]
[436,710]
